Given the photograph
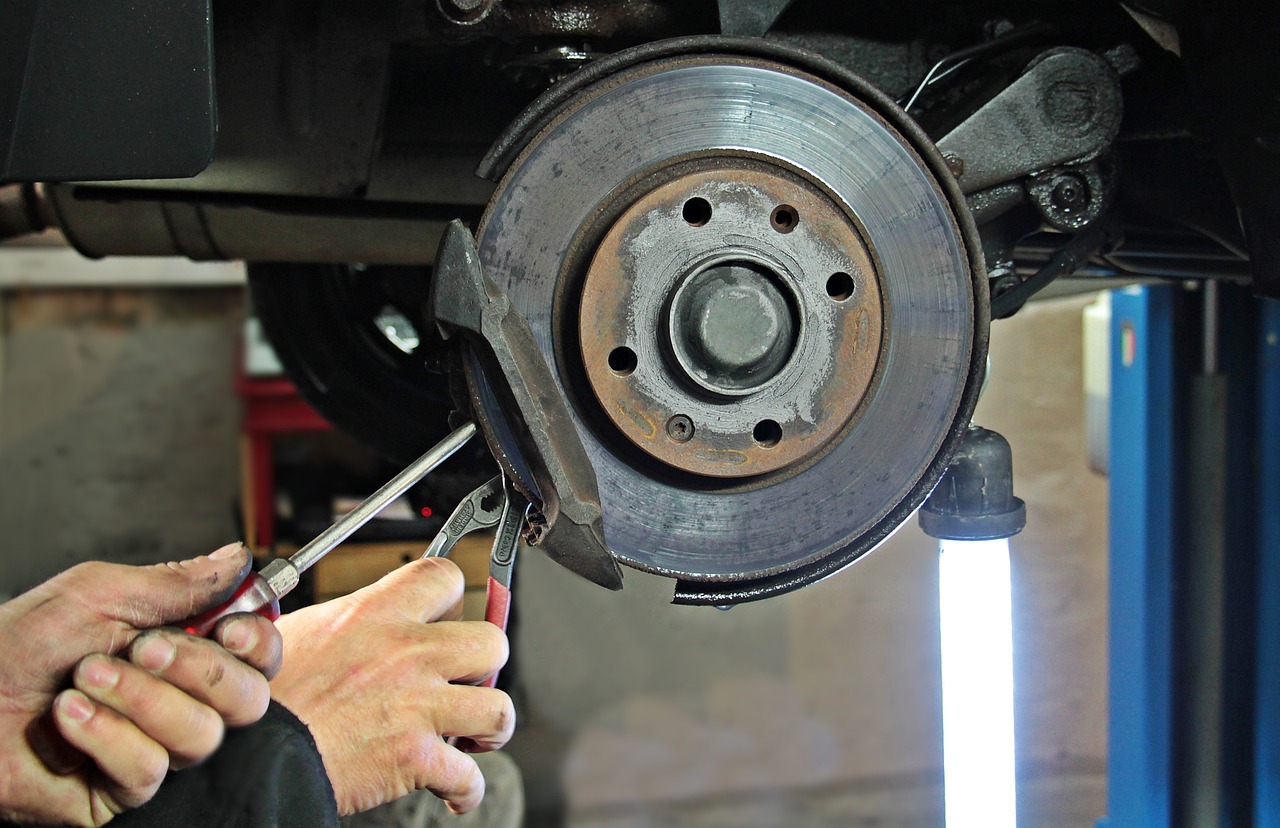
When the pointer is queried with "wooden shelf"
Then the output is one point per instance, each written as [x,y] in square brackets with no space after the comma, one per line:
[356,565]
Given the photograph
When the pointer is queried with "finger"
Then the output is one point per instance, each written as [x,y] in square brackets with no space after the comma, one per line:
[466,652]
[426,589]
[150,596]
[252,639]
[484,717]
[133,763]
[204,670]
[454,777]
[189,730]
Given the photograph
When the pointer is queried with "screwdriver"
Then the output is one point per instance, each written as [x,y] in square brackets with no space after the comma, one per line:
[261,592]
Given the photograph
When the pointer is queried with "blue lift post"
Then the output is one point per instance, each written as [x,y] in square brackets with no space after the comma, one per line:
[1194,689]
[1141,537]
[1267,687]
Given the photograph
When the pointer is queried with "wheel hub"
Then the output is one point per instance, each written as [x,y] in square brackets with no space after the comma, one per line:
[741,300]
[758,300]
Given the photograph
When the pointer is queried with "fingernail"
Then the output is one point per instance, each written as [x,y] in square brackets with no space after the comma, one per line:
[239,636]
[228,551]
[155,653]
[100,673]
[76,706]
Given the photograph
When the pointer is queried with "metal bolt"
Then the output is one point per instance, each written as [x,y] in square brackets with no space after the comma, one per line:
[1001,285]
[1069,193]
[466,12]
[680,428]
[954,163]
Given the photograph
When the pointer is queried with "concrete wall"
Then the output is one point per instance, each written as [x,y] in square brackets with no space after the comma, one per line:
[117,427]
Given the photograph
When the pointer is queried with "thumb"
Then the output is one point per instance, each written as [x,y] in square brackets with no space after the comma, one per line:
[152,596]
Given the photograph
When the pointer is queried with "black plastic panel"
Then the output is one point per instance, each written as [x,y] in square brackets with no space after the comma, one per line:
[105,90]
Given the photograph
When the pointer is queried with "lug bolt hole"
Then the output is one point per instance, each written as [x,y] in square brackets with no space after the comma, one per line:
[767,433]
[840,286]
[680,428]
[697,211]
[784,218]
[622,361]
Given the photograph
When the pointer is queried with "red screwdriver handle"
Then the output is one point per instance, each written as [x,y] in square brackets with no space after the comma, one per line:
[254,595]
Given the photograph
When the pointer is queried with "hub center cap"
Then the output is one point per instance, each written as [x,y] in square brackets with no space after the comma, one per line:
[732,327]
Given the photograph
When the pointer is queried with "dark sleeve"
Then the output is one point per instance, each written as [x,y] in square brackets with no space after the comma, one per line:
[267,774]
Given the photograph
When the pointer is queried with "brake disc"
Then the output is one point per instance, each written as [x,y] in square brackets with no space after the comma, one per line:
[762,299]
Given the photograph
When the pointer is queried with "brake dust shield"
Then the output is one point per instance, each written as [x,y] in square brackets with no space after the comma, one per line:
[763,301]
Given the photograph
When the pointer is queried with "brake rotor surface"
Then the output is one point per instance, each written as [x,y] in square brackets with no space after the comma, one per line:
[758,301]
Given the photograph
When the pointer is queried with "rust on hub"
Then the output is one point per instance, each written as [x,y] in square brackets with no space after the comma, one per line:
[751,311]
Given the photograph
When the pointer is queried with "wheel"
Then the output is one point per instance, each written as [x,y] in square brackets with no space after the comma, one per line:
[348,338]
[762,297]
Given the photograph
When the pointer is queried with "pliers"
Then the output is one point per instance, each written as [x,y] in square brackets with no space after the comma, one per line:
[495,503]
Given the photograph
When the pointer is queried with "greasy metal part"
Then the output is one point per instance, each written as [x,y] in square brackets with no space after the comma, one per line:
[543,439]
[1066,261]
[465,12]
[746,539]
[986,205]
[766,337]
[543,65]
[1065,108]
[1143,255]
[956,61]
[1072,197]
[750,18]
[542,20]
[99,225]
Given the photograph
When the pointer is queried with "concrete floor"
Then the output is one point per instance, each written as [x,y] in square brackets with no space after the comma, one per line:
[118,441]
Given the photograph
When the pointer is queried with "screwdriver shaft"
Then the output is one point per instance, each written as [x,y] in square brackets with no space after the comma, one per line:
[283,574]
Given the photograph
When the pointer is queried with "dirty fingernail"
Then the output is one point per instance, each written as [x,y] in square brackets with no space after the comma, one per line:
[155,653]
[239,636]
[228,551]
[76,706]
[100,673]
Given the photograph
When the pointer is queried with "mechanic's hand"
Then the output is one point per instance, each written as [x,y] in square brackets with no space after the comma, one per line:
[96,705]
[371,675]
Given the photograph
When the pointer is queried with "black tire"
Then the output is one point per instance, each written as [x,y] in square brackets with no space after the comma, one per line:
[319,319]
